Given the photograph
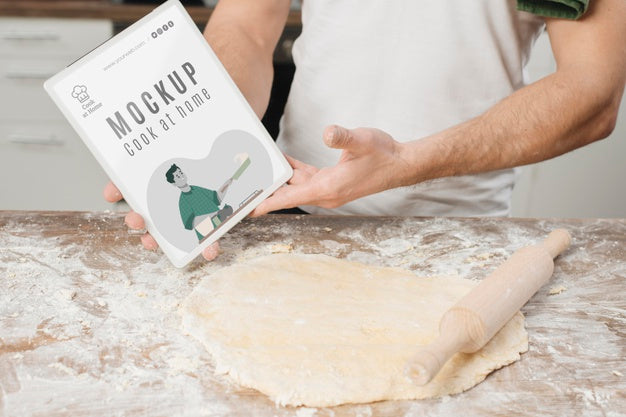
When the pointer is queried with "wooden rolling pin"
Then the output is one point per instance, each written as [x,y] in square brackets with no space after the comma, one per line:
[478,316]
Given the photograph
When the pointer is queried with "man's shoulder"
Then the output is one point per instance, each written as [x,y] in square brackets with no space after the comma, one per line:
[201,190]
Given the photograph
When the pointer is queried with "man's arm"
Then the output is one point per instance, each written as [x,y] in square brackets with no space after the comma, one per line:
[221,192]
[572,107]
[244,34]
[568,109]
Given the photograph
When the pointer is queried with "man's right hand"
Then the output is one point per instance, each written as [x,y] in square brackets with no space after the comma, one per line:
[244,35]
[134,221]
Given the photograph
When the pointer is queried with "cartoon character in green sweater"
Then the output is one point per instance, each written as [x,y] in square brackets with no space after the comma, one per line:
[197,204]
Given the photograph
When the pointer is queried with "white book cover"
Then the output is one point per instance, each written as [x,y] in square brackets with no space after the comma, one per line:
[170,128]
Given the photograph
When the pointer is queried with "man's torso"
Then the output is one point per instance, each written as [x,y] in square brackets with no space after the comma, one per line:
[411,68]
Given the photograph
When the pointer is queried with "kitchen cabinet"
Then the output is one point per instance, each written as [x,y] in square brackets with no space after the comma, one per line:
[45,164]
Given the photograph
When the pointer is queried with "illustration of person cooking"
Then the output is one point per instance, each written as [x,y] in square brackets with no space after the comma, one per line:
[197,204]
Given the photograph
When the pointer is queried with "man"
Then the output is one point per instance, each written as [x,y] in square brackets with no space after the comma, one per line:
[443,85]
[197,203]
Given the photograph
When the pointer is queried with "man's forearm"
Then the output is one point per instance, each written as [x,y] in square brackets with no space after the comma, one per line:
[246,65]
[243,35]
[221,192]
[543,120]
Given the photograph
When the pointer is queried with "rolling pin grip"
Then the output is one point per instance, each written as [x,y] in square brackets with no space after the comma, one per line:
[427,362]
[557,241]
[459,330]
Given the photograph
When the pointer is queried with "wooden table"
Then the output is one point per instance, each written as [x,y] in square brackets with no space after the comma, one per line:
[89,324]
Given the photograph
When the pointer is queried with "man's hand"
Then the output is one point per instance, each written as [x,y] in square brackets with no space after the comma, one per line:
[133,220]
[244,35]
[371,161]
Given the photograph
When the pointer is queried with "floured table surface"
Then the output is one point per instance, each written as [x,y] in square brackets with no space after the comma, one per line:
[89,323]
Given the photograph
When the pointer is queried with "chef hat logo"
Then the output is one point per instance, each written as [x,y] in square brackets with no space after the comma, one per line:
[80,93]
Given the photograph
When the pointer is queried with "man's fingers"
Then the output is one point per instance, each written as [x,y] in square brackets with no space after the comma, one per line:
[148,242]
[299,165]
[293,161]
[210,252]
[299,177]
[112,193]
[338,137]
[134,221]
[285,197]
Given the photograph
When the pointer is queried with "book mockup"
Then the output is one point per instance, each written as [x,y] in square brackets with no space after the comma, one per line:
[170,128]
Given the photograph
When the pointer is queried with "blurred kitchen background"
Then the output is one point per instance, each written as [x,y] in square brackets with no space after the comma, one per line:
[45,166]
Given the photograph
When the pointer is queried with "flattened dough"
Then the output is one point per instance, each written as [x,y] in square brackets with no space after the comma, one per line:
[318,331]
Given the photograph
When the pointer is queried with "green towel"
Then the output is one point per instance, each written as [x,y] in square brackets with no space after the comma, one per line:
[567,9]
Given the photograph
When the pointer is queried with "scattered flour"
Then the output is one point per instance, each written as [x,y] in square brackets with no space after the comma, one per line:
[394,246]
[281,248]
[557,290]
[306,412]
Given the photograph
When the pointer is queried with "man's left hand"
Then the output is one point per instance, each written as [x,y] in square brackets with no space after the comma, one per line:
[371,161]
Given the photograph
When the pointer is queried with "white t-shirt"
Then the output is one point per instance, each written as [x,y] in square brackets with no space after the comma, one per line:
[411,68]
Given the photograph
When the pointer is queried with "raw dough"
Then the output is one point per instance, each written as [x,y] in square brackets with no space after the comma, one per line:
[318,331]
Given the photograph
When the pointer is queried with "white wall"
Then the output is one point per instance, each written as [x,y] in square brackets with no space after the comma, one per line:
[588,182]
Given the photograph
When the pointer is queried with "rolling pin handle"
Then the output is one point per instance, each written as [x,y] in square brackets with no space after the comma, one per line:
[460,330]
[422,367]
[557,241]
